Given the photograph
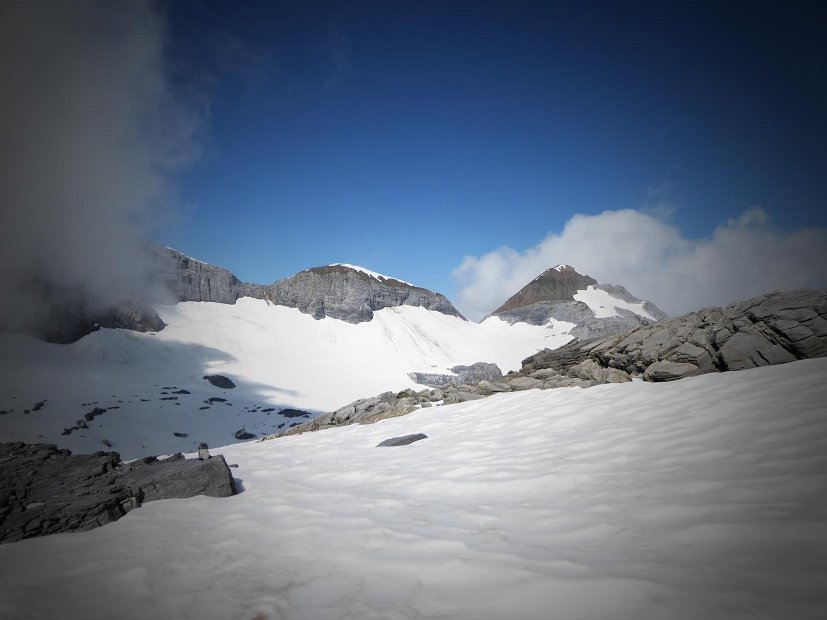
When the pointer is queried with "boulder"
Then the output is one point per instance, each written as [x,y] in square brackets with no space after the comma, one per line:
[44,490]
[523,383]
[220,381]
[402,441]
[665,370]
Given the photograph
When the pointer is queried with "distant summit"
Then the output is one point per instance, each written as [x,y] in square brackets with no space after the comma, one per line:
[558,283]
[351,293]
[562,294]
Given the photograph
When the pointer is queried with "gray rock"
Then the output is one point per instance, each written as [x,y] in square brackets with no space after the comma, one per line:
[403,441]
[220,381]
[350,295]
[242,435]
[44,490]
[665,370]
[523,383]
[189,279]
[771,329]
[463,375]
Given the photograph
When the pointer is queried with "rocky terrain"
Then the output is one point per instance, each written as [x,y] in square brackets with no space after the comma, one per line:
[350,294]
[772,329]
[463,375]
[551,295]
[44,490]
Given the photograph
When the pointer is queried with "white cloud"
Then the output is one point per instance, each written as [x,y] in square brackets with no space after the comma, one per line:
[743,258]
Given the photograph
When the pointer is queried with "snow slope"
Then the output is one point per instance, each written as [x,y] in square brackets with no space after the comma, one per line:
[277,356]
[702,498]
[605,305]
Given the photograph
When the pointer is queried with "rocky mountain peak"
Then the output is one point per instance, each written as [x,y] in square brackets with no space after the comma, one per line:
[559,283]
[563,294]
[351,293]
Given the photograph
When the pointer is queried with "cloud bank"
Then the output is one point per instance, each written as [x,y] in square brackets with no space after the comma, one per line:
[743,258]
[92,132]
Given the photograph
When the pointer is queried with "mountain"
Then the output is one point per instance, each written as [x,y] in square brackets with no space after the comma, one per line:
[562,294]
[341,291]
[351,293]
[295,348]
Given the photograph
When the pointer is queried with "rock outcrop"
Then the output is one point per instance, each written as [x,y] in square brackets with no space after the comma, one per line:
[189,279]
[551,295]
[351,294]
[771,329]
[44,490]
[463,375]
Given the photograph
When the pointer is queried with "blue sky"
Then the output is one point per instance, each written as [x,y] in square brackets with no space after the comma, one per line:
[405,136]
[674,148]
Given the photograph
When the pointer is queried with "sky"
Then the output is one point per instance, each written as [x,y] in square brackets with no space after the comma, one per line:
[675,148]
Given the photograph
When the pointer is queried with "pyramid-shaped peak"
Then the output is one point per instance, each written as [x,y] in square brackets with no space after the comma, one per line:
[559,283]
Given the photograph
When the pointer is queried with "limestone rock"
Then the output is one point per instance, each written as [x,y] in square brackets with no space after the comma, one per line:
[665,370]
[189,279]
[403,441]
[44,490]
[341,292]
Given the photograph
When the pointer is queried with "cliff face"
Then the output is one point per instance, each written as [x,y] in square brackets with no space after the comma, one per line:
[189,279]
[351,294]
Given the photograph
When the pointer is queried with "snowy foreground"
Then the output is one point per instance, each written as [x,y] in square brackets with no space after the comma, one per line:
[703,498]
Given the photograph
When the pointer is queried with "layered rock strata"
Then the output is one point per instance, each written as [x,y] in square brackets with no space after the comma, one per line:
[189,279]
[771,329]
[44,490]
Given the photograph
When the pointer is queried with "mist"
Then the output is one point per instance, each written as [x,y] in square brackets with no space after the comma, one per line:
[92,136]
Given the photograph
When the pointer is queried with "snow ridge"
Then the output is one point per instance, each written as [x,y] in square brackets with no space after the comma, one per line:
[376,276]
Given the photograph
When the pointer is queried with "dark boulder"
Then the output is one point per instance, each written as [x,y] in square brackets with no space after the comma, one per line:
[403,440]
[220,381]
[44,490]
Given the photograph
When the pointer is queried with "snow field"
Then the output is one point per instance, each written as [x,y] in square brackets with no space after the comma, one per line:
[277,356]
[702,498]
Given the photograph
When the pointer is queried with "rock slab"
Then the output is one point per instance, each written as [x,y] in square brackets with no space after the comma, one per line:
[44,490]
[404,440]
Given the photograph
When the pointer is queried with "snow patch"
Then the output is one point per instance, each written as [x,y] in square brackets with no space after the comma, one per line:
[605,305]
